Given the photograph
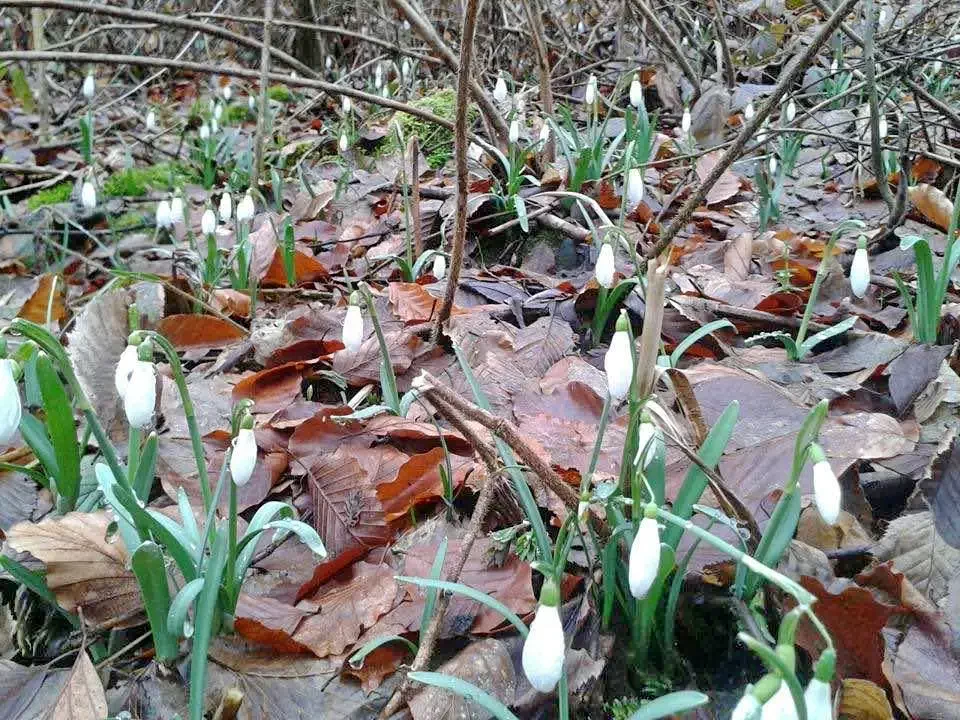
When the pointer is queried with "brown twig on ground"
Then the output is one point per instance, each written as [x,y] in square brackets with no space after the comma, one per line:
[426,31]
[460,157]
[414,150]
[259,139]
[543,67]
[676,53]
[733,152]
[697,303]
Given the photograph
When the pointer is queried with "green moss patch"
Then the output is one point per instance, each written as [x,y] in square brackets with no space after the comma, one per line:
[280,93]
[50,196]
[436,143]
[136,182]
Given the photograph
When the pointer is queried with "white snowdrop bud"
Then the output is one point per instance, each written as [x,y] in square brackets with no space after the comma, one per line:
[618,365]
[780,706]
[648,440]
[834,65]
[544,647]
[208,222]
[606,266]
[514,131]
[773,164]
[791,111]
[747,709]
[121,376]
[347,105]
[882,127]
[10,409]
[204,132]
[544,132]
[89,86]
[634,188]
[826,489]
[88,195]
[748,112]
[243,458]
[378,77]
[590,95]
[141,394]
[176,210]
[936,66]
[636,92]
[164,217]
[226,207]
[818,701]
[245,208]
[439,266]
[405,68]
[328,63]
[500,89]
[227,92]
[353,328]
[882,17]
[644,558]
[581,28]
[214,125]
[251,103]
[344,143]
[151,121]
[217,111]
[685,121]
[860,269]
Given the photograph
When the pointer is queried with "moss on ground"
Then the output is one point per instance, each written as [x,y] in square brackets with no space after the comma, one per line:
[436,143]
[280,93]
[136,182]
[50,196]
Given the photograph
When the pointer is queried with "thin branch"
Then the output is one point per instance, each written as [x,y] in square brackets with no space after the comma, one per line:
[729,71]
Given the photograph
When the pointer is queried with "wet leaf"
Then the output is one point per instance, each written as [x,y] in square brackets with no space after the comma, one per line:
[273,388]
[933,203]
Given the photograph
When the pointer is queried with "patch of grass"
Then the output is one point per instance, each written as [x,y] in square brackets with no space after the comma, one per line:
[135,182]
[50,196]
[127,221]
[236,114]
[436,143]
[280,93]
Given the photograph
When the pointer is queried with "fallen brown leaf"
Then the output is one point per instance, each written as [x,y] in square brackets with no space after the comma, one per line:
[199,332]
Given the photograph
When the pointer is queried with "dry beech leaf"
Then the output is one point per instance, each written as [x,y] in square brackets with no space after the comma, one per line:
[82,698]
[925,668]
[917,551]
[932,203]
[726,187]
[46,303]
[84,570]
[199,332]
[306,269]
[737,256]
[29,692]
[413,304]
[863,700]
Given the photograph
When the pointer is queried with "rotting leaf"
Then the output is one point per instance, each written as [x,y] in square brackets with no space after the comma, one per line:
[945,502]
[418,480]
[29,693]
[913,371]
[925,668]
[82,698]
[199,332]
[863,700]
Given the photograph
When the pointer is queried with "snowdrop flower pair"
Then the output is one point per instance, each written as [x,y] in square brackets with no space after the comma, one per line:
[770,698]
[860,269]
[545,646]
[88,195]
[135,380]
[352,334]
[10,409]
[243,456]
[500,90]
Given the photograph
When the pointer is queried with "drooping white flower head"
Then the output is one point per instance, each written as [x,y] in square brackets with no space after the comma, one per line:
[141,394]
[378,76]
[344,143]
[780,706]
[606,266]
[243,458]
[439,266]
[217,111]
[328,63]
[636,92]
[826,489]
[251,103]
[791,111]
[227,92]
[648,440]
[773,164]
[748,111]
[748,708]
[544,132]
[88,195]
[121,376]
[176,209]
[151,121]
[500,90]
[353,325]
[214,125]
[245,208]
[936,66]
[89,86]
[226,207]
[618,363]
[644,557]
[634,188]
[818,700]
[164,218]
[882,129]
[10,409]
[834,65]
[514,131]
[204,132]
[860,269]
[544,648]
[208,222]
[581,28]
[685,121]
[590,94]
[347,105]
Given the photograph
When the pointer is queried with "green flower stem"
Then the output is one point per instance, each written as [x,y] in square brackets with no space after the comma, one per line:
[189,413]
[133,456]
[595,456]
[231,576]
[386,367]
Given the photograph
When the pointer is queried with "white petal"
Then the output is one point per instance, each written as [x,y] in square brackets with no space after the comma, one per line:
[10,410]
[439,266]
[647,441]
[685,121]
[634,187]
[644,558]
[514,130]
[780,706]
[606,266]
[208,223]
[353,328]
[204,132]
[141,396]
[344,143]
[88,195]
[176,209]
[226,207]
[500,90]
[590,95]
[121,376]
[818,701]
[860,272]
[747,709]
[636,93]
[89,87]
[826,492]
[164,215]
[618,364]
[544,649]
[243,459]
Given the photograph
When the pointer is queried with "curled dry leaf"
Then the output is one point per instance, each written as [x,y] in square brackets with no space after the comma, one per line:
[932,203]
[863,700]
[85,570]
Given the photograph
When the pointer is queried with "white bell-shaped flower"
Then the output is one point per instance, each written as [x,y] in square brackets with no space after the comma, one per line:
[634,188]
[648,439]
[618,365]
[251,103]
[590,94]
[685,121]
[164,218]
[226,207]
[773,165]
[10,409]
[860,270]
[749,112]
[214,125]
[344,143]
[747,709]
[544,132]
[141,394]
[378,76]
[606,266]
[347,105]
[151,121]
[636,92]
[176,209]
[834,65]
[328,63]
[514,131]
[217,111]
[790,112]
[936,66]
[227,92]
[208,222]
[353,328]
[818,700]
[88,195]
[780,706]
[882,127]
[89,86]
[243,458]
[826,489]
[439,266]
[544,648]
[245,208]
[500,89]
[204,132]
[121,376]
[644,558]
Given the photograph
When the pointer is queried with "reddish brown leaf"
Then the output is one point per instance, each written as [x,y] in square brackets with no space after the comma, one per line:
[269,622]
[363,366]
[412,303]
[306,269]
[932,203]
[46,304]
[377,665]
[321,433]
[232,302]
[273,388]
[417,481]
[304,350]
[199,332]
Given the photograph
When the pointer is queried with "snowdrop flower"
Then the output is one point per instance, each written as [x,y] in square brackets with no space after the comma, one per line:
[475,152]
[636,92]
[648,438]
[245,208]
[405,68]
[121,376]
[881,17]
[10,410]
[590,95]
[204,132]
[89,86]
[344,143]
[685,121]
[780,706]
[936,67]
[226,207]
[88,195]
[762,133]
[747,709]
[251,103]
[439,266]
[214,125]
[818,700]
[882,127]
[634,188]
[618,361]
[176,210]
[500,89]
[606,266]
[347,105]
[227,92]
[834,65]
[151,121]
[164,216]
[644,555]
[378,77]
[406,25]
[826,489]
[514,131]
[353,325]
[217,111]
[581,28]
[773,164]
[243,458]
[860,269]
[208,222]
[791,111]
[328,63]
[141,394]
[748,112]
[544,132]
[544,648]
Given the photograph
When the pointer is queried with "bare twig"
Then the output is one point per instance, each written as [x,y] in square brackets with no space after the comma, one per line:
[460,156]
[729,72]
[414,150]
[734,151]
[260,139]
